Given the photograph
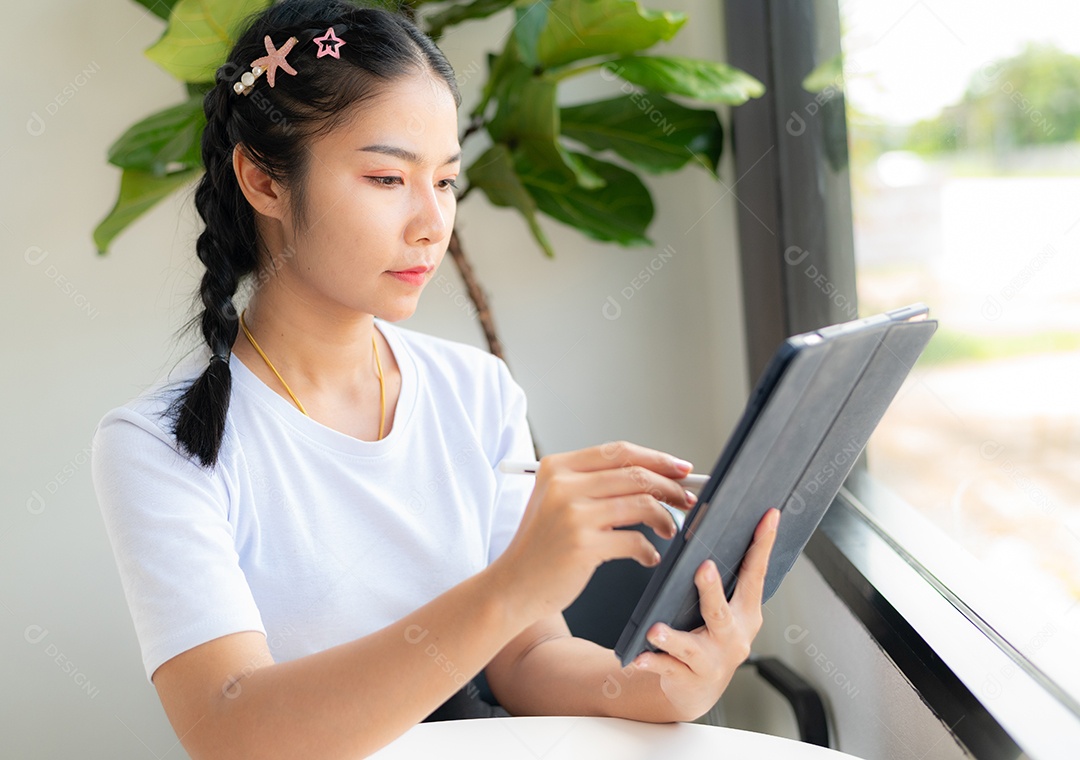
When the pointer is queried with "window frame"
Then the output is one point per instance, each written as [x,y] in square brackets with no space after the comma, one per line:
[796,244]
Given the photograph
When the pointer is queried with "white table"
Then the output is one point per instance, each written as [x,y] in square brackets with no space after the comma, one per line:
[588,738]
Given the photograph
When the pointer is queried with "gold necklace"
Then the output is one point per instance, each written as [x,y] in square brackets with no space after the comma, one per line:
[374,344]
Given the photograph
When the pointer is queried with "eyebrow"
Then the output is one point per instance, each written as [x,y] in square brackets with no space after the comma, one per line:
[408,155]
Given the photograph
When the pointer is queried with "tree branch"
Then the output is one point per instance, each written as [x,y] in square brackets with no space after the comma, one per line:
[476,294]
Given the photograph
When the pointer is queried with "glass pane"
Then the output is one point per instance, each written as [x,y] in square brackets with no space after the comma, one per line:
[964,121]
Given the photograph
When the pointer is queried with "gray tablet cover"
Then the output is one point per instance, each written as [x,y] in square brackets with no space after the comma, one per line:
[805,425]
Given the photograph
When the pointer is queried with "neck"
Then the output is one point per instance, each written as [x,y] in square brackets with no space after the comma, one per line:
[321,353]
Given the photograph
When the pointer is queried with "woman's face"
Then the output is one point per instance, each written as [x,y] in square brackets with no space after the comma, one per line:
[378,200]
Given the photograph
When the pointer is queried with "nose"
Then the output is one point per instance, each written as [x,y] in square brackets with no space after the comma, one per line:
[433,215]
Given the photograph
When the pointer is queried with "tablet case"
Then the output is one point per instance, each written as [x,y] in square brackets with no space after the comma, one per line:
[806,423]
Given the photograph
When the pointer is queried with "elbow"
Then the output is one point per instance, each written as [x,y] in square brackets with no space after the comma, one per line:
[215,739]
[224,730]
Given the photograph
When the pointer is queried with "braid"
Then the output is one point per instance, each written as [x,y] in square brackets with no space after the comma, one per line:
[227,248]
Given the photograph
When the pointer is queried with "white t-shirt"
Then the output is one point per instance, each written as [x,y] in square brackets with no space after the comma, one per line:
[306,534]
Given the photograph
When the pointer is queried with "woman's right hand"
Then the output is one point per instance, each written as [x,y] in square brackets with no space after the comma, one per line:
[568,528]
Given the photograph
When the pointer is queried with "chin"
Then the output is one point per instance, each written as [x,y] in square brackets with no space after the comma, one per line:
[396,314]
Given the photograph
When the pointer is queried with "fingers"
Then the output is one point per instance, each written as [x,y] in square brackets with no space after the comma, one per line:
[729,622]
[612,486]
[619,544]
[727,633]
[619,454]
[690,650]
[711,597]
[634,509]
[755,564]
[636,478]
[661,664]
[704,650]
[724,640]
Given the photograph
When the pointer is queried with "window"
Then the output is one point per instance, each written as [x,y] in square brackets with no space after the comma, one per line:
[927,151]
[965,174]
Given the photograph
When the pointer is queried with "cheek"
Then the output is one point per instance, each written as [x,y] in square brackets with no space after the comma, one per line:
[350,210]
[450,207]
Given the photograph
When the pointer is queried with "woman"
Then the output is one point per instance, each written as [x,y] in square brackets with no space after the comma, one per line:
[314,541]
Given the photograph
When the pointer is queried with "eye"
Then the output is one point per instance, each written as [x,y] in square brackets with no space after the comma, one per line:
[448,184]
[385,181]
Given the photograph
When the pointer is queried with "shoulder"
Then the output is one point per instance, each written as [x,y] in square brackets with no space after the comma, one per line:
[143,425]
[459,376]
[460,363]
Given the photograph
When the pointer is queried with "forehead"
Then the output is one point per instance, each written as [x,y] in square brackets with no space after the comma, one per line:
[416,112]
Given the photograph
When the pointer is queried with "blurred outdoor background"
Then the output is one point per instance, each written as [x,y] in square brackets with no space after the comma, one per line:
[965,168]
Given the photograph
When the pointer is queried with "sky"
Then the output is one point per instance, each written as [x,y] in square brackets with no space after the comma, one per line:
[907,59]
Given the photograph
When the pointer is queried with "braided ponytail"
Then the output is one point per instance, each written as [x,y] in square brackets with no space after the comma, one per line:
[272,126]
[228,250]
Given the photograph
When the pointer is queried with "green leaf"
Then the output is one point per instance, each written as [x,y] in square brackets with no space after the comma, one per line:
[648,130]
[394,6]
[583,173]
[139,192]
[707,81]
[528,119]
[198,88]
[577,29]
[620,211]
[526,109]
[200,35]
[828,73]
[537,168]
[493,172]
[437,22]
[159,8]
[529,23]
[164,142]
[499,67]
[560,167]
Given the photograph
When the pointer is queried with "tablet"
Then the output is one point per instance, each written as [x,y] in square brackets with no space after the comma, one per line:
[806,423]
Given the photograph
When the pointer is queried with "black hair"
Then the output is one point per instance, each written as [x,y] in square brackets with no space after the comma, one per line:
[272,125]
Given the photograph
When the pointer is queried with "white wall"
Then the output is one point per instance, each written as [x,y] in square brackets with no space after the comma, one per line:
[85,333]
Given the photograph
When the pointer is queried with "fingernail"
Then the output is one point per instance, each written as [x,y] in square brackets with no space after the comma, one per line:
[691,497]
[710,571]
[681,464]
[774,519]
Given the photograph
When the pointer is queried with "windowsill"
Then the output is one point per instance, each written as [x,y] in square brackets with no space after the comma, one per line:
[991,696]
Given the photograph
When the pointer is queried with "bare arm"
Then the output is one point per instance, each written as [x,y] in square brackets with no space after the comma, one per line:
[547,671]
[227,699]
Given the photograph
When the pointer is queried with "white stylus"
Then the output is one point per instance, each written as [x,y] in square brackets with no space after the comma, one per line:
[692,483]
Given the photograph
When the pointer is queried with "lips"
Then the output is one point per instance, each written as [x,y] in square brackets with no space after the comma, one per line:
[415,276]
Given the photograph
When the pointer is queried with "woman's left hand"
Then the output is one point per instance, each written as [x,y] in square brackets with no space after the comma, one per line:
[699,664]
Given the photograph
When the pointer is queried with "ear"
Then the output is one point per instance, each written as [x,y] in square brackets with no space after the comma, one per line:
[262,192]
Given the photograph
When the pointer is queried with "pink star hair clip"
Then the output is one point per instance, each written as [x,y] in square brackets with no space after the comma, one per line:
[269,63]
[329,44]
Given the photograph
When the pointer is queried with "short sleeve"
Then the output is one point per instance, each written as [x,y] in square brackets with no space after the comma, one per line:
[515,442]
[167,522]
